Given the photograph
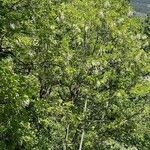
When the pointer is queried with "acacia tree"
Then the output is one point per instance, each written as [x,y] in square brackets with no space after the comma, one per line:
[73,75]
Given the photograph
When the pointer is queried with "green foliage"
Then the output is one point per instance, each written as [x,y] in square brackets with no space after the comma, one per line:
[73,74]
[147,32]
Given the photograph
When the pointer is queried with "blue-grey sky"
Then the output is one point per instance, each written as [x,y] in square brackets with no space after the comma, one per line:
[141,6]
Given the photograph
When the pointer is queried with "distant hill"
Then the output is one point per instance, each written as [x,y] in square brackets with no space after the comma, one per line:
[142,7]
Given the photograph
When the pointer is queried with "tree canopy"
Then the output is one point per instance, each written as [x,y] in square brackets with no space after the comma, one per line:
[74,75]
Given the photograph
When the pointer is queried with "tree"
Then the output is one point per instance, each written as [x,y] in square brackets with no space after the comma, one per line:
[74,76]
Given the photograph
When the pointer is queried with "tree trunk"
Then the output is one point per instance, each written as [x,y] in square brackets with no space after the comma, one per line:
[83,131]
[66,138]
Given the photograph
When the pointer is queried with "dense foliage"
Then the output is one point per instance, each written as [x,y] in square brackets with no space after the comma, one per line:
[74,74]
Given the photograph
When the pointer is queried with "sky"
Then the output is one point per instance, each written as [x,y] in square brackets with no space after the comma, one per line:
[141,6]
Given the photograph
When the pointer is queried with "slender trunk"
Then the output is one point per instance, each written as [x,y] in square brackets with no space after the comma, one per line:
[66,138]
[64,146]
[82,138]
[83,131]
